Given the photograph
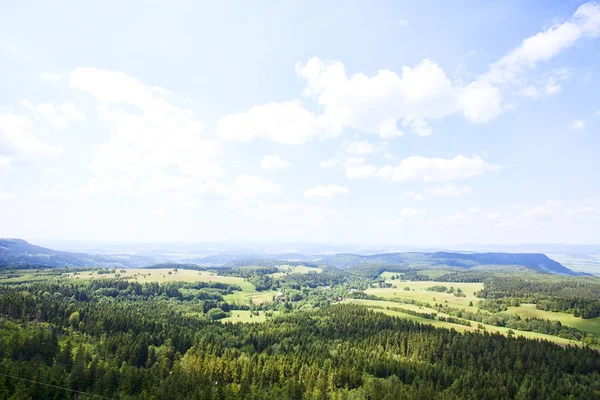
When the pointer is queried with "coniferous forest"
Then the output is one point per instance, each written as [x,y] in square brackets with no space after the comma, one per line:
[117,339]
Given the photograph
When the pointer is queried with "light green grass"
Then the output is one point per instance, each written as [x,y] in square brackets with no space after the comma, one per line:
[162,275]
[418,291]
[473,328]
[529,311]
[250,297]
[243,316]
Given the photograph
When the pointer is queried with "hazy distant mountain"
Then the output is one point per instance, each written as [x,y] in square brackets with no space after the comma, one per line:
[536,261]
[19,252]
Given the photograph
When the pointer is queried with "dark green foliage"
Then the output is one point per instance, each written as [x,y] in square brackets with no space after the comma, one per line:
[580,296]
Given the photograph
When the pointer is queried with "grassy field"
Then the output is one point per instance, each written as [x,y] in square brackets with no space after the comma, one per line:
[373,304]
[418,291]
[586,325]
[250,296]
[241,316]
[165,275]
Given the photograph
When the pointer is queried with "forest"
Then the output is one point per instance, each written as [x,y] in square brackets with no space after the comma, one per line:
[116,338]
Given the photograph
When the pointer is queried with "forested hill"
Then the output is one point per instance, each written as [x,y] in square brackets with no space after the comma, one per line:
[536,261]
[18,252]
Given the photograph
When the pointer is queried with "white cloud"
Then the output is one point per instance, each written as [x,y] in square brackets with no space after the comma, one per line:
[19,143]
[58,115]
[7,195]
[450,190]
[325,191]
[435,169]
[414,96]
[375,104]
[552,87]
[355,168]
[146,141]
[250,187]
[480,101]
[418,126]
[273,163]
[578,124]
[401,22]
[357,147]
[545,45]
[389,129]
[286,123]
[547,209]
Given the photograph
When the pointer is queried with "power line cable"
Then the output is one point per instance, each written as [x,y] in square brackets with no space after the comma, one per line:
[57,387]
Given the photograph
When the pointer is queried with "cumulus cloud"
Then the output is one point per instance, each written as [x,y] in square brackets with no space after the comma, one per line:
[286,123]
[325,191]
[148,135]
[18,142]
[413,96]
[545,45]
[435,169]
[273,162]
[59,116]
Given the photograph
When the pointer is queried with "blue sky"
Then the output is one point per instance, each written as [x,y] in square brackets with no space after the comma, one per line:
[413,123]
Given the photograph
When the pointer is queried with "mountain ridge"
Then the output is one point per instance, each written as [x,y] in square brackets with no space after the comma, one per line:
[18,252]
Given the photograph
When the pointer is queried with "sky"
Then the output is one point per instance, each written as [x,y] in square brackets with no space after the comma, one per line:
[399,122]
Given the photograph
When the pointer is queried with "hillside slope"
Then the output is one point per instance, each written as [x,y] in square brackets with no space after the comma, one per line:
[535,261]
[20,252]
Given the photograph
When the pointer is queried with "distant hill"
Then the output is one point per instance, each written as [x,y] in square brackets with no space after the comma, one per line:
[18,252]
[535,261]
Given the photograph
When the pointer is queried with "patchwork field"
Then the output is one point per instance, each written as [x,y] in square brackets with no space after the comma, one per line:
[417,290]
[242,316]
[488,328]
[250,296]
[529,311]
[165,275]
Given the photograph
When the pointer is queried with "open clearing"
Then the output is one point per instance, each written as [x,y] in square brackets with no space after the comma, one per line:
[591,325]
[165,275]
[449,325]
[418,291]
[241,316]
[252,296]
